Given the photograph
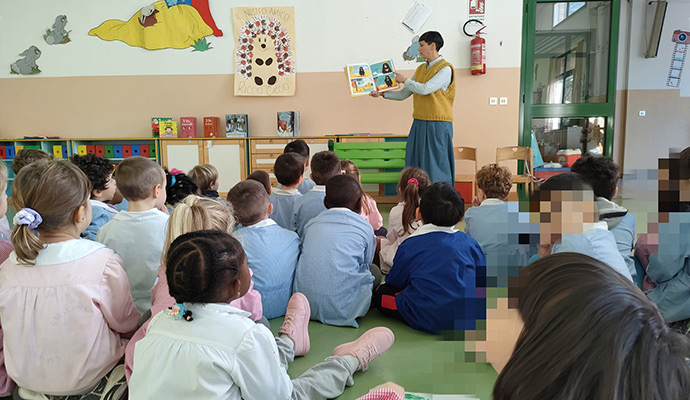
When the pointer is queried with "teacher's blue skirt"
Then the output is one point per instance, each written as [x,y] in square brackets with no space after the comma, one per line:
[430,147]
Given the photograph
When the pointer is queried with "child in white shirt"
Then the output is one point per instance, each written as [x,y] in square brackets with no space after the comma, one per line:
[65,304]
[99,170]
[137,235]
[207,349]
[401,220]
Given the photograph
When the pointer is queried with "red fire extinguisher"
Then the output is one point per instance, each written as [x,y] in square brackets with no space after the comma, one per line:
[478,46]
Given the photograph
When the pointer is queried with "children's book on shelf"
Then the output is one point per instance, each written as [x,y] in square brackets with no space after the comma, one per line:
[236,125]
[168,129]
[188,127]
[212,127]
[367,78]
[155,125]
[288,123]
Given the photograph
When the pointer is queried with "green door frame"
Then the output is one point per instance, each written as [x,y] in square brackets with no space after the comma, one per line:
[528,111]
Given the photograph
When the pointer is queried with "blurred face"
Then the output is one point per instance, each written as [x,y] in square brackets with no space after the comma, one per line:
[426,50]
[566,212]
[110,188]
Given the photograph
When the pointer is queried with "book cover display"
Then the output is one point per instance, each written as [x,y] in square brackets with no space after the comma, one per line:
[364,78]
[212,127]
[155,125]
[188,127]
[288,123]
[236,125]
[168,129]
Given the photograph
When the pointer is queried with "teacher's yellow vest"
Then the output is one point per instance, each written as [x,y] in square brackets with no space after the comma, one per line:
[437,106]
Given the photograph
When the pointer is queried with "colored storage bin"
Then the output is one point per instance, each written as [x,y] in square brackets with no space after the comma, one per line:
[9,152]
[126,150]
[3,152]
[81,149]
[152,151]
[117,151]
[100,150]
[17,148]
[65,153]
[57,151]
[145,150]
[90,149]
[136,150]
[109,151]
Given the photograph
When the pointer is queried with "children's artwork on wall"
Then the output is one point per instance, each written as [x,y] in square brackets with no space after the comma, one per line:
[265,51]
[27,65]
[175,24]
[412,52]
[57,34]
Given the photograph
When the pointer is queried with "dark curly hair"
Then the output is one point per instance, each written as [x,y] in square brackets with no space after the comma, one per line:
[601,172]
[202,263]
[178,186]
[97,169]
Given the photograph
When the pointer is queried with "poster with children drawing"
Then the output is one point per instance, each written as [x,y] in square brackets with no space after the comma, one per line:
[264,51]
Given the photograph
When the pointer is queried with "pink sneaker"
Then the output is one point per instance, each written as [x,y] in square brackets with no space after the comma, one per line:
[370,345]
[296,323]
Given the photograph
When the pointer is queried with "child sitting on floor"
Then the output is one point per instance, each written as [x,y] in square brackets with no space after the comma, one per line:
[370,211]
[65,302]
[6,247]
[272,251]
[301,147]
[263,178]
[207,349]
[602,174]
[334,270]
[205,177]
[568,222]
[498,226]
[289,171]
[437,270]
[401,220]
[324,166]
[192,214]
[99,170]
[137,235]
[178,186]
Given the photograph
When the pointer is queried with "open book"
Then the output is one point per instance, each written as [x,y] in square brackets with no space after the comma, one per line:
[365,78]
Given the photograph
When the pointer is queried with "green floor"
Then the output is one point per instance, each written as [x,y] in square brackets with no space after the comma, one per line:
[418,361]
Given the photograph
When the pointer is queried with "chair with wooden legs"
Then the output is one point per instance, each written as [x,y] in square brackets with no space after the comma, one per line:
[467,154]
[518,153]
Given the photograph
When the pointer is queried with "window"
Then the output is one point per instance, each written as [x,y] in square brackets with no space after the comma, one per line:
[561,11]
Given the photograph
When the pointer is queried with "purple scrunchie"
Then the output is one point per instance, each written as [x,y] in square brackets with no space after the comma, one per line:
[28,216]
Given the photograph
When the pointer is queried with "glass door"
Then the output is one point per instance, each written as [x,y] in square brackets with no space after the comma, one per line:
[569,75]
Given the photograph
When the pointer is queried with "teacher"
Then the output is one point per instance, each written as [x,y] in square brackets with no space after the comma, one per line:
[430,142]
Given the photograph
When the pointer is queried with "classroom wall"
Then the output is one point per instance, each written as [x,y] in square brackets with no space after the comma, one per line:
[642,87]
[93,88]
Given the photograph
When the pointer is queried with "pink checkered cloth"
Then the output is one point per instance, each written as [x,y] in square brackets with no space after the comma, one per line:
[382,394]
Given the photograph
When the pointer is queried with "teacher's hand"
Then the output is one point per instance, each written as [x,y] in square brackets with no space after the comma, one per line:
[400,78]
[376,94]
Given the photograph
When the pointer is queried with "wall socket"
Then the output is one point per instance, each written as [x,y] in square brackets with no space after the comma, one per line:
[503,101]
[493,101]
[642,113]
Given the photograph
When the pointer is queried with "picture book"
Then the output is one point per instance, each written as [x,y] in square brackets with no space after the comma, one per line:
[288,123]
[168,128]
[188,127]
[236,125]
[211,127]
[427,396]
[155,128]
[366,78]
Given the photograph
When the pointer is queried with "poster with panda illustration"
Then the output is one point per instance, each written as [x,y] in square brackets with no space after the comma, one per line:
[264,51]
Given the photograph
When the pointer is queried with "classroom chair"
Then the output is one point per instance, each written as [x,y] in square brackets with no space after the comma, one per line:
[467,154]
[519,153]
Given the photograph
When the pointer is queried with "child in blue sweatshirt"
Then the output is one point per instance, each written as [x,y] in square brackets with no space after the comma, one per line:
[289,171]
[324,166]
[272,251]
[436,271]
